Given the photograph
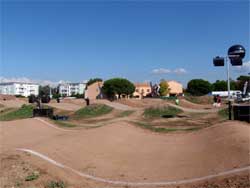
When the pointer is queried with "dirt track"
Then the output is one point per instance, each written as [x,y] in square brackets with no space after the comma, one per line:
[123,152]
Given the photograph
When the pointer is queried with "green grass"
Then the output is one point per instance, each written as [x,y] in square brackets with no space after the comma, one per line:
[68,124]
[126,113]
[224,113]
[92,111]
[162,129]
[25,111]
[159,112]
[55,184]
[32,176]
[6,110]
[64,124]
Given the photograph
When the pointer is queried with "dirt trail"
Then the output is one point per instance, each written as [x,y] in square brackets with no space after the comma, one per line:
[115,105]
[122,152]
[66,106]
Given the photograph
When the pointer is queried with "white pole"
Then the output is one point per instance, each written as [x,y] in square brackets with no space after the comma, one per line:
[228,78]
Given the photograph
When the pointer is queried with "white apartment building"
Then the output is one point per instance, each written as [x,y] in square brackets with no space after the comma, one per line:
[19,88]
[68,89]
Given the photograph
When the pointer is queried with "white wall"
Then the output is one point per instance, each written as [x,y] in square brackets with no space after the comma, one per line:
[72,88]
[24,89]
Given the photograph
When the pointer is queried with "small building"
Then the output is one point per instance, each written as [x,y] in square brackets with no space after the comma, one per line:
[94,91]
[69,89]
[19,88]
[175,87]
[142,90]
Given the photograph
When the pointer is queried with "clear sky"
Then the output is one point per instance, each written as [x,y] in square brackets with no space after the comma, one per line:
[140,40]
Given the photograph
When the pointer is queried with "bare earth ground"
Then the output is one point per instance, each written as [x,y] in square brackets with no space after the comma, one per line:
[16,103]
[122,152]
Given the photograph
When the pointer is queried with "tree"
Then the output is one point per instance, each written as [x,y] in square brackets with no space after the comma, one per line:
[164,88]
[220,85]
[199,87]
[117,86]
[93,80]
[241,81]
[44,90]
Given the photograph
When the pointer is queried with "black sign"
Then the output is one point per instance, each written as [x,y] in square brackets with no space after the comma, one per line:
[218,61]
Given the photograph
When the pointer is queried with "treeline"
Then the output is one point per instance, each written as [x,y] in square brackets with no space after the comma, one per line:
[200,87]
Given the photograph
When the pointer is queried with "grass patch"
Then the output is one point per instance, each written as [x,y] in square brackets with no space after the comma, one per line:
[26,111]
[224,113]
[162,129]
[126,113]
[33,176]
[6,110]
[55,184]
[159,112]
[68,124]
[64,124]
[92,111]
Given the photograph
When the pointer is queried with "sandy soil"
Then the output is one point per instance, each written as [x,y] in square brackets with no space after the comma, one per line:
[15,103]
[126,153]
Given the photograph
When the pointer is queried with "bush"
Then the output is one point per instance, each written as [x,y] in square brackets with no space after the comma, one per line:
[164,88]
[78,96]
[199,87]
[55,184]
[33,176]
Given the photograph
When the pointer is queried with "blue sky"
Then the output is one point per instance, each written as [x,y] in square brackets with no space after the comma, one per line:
[140,40]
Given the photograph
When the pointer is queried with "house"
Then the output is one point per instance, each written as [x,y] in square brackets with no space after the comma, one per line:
[69,89]
[19,88]
[142,90]
[94,91]
[175,87]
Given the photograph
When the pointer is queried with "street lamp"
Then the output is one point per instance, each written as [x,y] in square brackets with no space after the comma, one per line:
[235,55]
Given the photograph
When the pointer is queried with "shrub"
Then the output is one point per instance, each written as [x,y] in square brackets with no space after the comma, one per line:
[33,176]
[164,88]
[55,184]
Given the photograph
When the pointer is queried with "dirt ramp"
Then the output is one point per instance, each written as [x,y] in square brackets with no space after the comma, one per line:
[188,104]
